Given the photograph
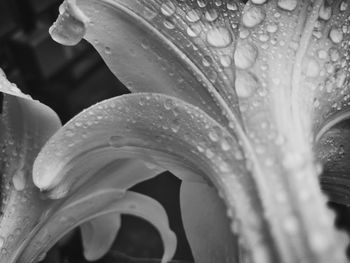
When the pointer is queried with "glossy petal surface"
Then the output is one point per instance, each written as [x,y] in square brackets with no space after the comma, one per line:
[207,225]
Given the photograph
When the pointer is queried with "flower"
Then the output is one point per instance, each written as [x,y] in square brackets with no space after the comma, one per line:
[244,98]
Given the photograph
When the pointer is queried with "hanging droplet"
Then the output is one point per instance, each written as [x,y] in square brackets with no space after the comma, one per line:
[253,16]
[219,37]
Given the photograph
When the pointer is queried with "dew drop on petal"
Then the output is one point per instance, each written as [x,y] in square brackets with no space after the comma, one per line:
[219,37]
[343,6]
[245,55]
[312,68]
[336,35]
[259,2]
[19,180]
[168,8]
[246,84]
[211,15]
[253,16]
[325,12]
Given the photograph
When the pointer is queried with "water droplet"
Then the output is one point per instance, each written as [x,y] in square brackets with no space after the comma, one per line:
[232,6]
[259,2]
[272,27]
[288,5]
[19,180]
[246,84]
[108,50]
[336,35]
[343,6]
[325,12]
[225,61]
[312,68]
[202,3]
[192,16]
[2,242]
[245,55]
[168,8]
[211,15]
[194,30]
[219,37]
[253,16]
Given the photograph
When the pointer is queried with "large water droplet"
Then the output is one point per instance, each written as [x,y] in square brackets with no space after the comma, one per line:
[336,35]
[253,16]
[246,84]
[219,37]
[245,55]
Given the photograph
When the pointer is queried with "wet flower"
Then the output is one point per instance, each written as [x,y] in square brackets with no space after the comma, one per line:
[242,101]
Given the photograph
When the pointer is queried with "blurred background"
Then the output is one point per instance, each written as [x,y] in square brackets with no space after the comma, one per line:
[69,79]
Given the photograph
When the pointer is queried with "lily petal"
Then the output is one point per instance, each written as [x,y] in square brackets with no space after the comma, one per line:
[275,36]
[137,39]
[99,234]
[161,130]
[25,126]
[333,150]
[100,202]
[207,225]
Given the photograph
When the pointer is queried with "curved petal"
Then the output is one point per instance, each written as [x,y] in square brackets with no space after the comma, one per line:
[137,39]
[99,234]
[333,150]
[272,66]
[165,131]
[99,203]
[25,126]
[207,225]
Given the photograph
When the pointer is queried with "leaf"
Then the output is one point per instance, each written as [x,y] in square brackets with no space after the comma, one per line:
[161,130]
[98,235]
[206,224]
[25,126]
[137,39]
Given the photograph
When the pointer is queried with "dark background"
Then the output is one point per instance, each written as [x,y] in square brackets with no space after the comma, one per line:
[69,79]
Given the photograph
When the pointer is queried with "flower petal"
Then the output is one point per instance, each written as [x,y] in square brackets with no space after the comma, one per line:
[161,130]
[99,202]
[272,66]
[137,39]
[99,234]
[25,126]
[206,224]
[333,150]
